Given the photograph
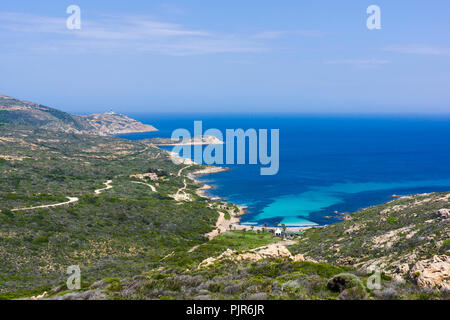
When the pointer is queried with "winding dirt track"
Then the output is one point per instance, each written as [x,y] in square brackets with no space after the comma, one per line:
[181,170]
[71,199]
[108,186]
[145,184]
[181,195]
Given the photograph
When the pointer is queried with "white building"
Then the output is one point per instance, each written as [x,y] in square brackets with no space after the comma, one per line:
[278,232]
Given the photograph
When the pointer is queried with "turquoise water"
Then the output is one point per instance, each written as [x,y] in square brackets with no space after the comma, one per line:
[301,205]
[327,164]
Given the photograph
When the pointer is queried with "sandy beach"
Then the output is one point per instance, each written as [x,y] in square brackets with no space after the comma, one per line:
[223,224]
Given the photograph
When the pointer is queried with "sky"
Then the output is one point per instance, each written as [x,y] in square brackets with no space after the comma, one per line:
[252,56]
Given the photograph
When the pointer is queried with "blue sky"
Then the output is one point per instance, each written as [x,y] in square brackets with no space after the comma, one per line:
[228,56]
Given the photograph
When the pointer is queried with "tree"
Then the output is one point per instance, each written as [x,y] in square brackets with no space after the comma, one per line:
[284,230]
[7,212]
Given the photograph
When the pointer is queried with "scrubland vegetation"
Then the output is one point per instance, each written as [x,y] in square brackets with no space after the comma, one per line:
[133,243]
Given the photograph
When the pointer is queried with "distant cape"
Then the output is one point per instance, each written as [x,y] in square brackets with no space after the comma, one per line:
[16,111]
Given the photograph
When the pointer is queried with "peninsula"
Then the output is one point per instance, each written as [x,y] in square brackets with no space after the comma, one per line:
[31,114]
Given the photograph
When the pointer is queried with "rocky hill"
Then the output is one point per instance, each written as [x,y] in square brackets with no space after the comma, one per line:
[134,237]
[407,238]
[26,113]
[118,222]
[113,123]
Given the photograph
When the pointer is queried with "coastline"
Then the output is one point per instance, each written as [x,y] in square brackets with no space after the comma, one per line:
[235,218]
[204,172]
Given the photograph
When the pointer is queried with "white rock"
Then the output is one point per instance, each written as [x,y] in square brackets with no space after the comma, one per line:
[443,213]
[434,272]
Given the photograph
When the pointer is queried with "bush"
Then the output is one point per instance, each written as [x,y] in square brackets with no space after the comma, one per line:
[258,296]
[344,281]
[8,213]
[445,246]
[386,294]
[232,289]
[265,269]
[354,293]
[114,284]
[391,219]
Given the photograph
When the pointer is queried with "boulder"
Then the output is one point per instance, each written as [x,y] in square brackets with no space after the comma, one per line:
[443,213]
[299,257]
[434,272]
[402,268]
[345,261]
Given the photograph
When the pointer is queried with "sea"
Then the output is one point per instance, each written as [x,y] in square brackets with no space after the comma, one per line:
[328,165]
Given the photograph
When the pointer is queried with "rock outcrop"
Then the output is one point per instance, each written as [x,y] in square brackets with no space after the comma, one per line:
[395,237]
[113,123]
[275,250]
[443,213]
[434,272]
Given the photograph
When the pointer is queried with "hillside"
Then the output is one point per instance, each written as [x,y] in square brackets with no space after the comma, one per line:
[20,112]
[119,228]
[408,239]
[139,228]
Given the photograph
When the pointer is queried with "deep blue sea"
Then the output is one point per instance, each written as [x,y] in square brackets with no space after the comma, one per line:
[327,164]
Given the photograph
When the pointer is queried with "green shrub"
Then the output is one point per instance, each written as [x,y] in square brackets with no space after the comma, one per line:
[344,281]
[354,293]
